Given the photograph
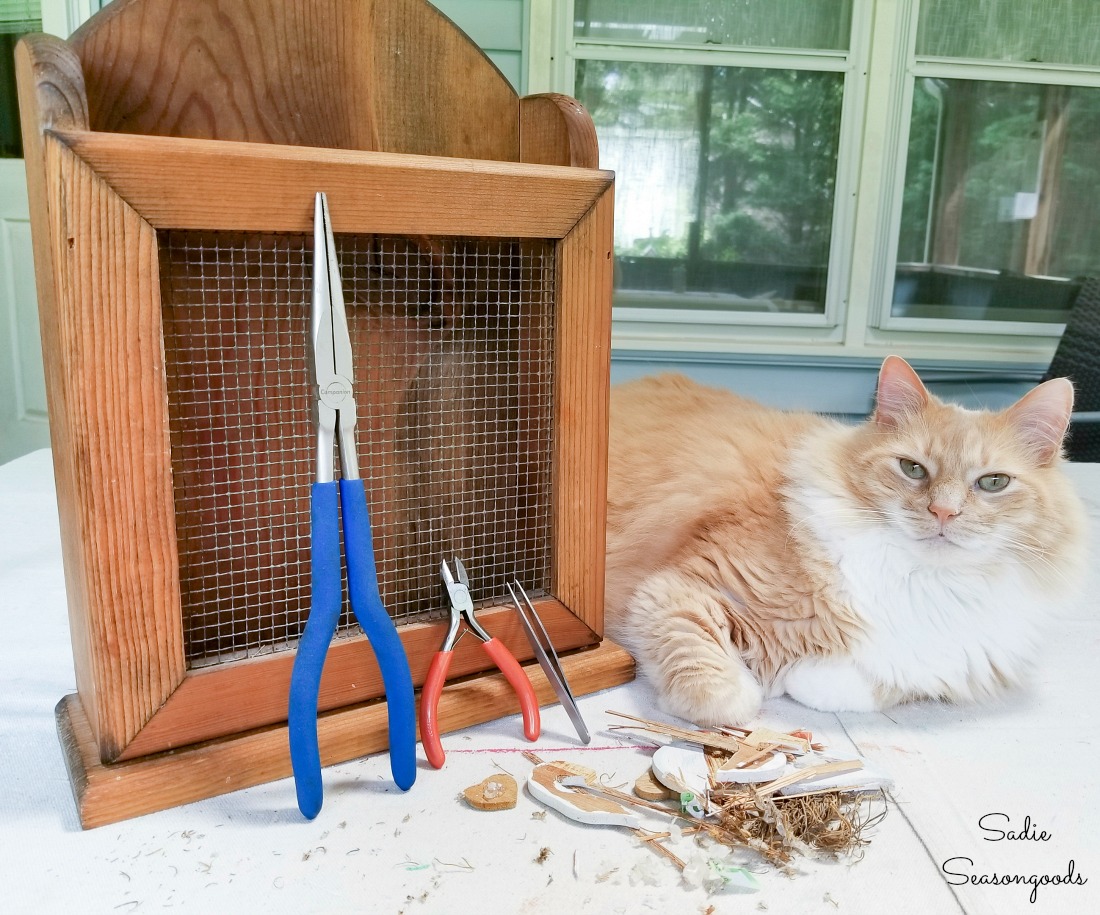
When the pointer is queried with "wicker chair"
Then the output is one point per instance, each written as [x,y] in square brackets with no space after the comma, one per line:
[1078,358]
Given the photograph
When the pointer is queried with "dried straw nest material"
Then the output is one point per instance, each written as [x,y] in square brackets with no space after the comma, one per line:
[828,822]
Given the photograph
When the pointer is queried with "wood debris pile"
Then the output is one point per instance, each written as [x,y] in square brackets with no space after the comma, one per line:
[824,806]
[776,794]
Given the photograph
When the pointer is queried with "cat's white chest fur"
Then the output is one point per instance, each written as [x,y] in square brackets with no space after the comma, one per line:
[955,630]
[937,630]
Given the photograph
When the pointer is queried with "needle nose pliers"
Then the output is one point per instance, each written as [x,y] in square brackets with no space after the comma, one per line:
[334,419]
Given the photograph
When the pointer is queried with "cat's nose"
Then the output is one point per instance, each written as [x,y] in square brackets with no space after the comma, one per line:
[944,512]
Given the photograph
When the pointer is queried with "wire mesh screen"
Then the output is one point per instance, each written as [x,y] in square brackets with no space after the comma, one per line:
[453,347]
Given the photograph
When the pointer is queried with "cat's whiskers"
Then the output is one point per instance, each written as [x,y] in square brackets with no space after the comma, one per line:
[877,516]
[1050,567]
[1034,540]
[1037,552]
[1031,544]
[1030,553]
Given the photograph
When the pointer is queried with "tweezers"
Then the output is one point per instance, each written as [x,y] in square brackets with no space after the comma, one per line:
[548,658]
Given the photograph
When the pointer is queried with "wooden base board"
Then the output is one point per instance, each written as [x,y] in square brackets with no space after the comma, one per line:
[107,793]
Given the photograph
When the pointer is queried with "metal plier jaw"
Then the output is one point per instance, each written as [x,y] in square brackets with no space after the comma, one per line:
[461,604]
[330,356]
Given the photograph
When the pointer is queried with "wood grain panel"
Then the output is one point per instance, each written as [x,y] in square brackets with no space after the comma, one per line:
[582,365]
[343,74]
[51,95]
[435,91]
[109,793]
[556,130]
[112,368]
[203,184]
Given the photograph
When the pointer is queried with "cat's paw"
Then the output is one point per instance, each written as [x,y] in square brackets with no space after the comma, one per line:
[680,634]
[831,685]
[732,699]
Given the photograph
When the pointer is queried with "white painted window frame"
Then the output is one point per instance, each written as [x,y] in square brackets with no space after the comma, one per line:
[902,90]
[881,69]
[61,17]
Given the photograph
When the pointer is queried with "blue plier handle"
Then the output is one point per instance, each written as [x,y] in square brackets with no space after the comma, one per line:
[330,502]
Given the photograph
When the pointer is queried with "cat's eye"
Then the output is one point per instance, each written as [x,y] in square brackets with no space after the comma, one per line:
[993,482]
[912,469]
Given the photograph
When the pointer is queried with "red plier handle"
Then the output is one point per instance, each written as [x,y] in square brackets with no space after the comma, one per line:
[462,610]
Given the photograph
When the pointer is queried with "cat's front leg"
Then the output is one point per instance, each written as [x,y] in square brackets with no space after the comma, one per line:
[679,630]
[832,684]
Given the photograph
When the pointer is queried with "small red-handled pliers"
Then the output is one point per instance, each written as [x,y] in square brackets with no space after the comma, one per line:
[462,609]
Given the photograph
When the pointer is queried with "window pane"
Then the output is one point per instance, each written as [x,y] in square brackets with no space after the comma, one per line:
[1002,187]
[724,180]
[823,24]
[17,17]
[1054,31]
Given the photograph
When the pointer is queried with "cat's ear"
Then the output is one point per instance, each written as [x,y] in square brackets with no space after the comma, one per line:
[900,393]
[1041,417]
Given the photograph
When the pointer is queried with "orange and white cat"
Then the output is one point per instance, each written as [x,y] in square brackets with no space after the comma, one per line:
[753,552]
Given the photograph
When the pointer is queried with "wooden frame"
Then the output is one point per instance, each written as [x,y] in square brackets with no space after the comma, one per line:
[144,731]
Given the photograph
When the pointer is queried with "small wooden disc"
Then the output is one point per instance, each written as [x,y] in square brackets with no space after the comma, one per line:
[649,789]
[497,792]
